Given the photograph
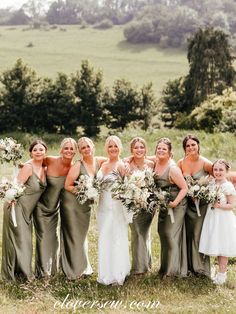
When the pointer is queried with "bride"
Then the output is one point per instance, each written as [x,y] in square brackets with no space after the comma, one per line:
[113,250]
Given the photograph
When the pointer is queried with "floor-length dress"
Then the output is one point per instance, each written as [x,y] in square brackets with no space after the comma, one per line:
[75,218]
[46,220]
[113,248]
[172,235]
[218,237]
[17,241]
[141,242]
[198,263]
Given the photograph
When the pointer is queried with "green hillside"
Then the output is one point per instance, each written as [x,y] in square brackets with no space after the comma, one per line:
[62,49]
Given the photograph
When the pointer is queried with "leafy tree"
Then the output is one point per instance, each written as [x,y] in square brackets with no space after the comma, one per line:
[147,105]
[216,113]
[173,100]
[123,105]
[19,18]
[55,110]
[211,65]
[17,96]
[89,90]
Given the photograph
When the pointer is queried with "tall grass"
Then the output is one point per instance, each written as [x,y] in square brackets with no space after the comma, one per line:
[139,293]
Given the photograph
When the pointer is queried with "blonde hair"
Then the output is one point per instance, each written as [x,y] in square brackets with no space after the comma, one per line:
[116,140]
[136,140]
[87,140]
[69,140]
[222,161]
[167,142]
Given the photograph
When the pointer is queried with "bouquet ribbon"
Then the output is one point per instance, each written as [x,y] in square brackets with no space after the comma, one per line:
[171,214]
[197,202]
[13,214]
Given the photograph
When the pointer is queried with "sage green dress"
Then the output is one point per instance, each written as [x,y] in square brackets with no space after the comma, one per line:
[17,241]
[198,263]
[75,218]
[141,242]
[172,235]
[46,224]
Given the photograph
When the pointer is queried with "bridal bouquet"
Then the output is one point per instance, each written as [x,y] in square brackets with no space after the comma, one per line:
[86,189]
[134,191]
[202,189]
[10,150]
[10,192]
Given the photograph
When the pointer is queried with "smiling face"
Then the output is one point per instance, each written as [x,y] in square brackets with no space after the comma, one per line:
[38,152]
[191,147]
[113,150]
[138,150]
[162,151]
[68,150]
[85,148]
[219,171]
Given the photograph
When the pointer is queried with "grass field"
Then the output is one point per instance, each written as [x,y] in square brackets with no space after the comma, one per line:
[140,294]
[62,51]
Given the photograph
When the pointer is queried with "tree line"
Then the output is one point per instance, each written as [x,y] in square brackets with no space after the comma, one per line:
[205,98]
[167,22]
[30,103]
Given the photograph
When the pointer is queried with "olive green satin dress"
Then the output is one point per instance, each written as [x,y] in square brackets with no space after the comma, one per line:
[198,263]
[75,218]
[172,235]
[17,241]
[46,220]
[141,243]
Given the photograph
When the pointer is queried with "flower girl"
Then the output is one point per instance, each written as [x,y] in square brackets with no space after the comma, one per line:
[218,237]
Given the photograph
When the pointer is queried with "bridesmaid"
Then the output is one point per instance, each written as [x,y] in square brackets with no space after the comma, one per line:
[17,241]
[169,178]
[141,225]
[46,215]
[197,166]
[75,217]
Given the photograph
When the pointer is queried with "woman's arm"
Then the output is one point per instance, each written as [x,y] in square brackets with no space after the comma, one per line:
[207,166]
[24,173]
[100,160]
[177,177]
[72,176]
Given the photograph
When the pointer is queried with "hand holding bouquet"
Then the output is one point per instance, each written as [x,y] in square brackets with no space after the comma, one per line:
[10,192]
[86,189]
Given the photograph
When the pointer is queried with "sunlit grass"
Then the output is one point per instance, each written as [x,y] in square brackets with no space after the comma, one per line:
[187,295]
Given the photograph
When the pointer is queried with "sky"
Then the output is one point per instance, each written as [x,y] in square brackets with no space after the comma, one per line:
[16,4]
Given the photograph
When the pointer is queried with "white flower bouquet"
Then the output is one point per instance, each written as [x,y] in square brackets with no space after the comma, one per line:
[10,192]
[159,202]
[202,189]
[87,189]
[134,191]
[10,151]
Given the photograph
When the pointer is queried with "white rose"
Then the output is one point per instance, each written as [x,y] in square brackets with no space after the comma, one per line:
[92,193]
[10,194]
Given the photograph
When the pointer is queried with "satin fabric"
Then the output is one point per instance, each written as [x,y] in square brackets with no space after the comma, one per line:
[17,241]
[75,220]
[46,223]
[198,263]
[173,260]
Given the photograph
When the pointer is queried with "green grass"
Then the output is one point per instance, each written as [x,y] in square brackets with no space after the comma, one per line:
[189,295]
[62,51]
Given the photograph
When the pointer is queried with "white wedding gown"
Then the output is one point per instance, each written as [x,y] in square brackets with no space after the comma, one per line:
[113,248]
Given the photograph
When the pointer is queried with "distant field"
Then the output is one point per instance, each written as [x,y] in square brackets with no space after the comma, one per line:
[62,51]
